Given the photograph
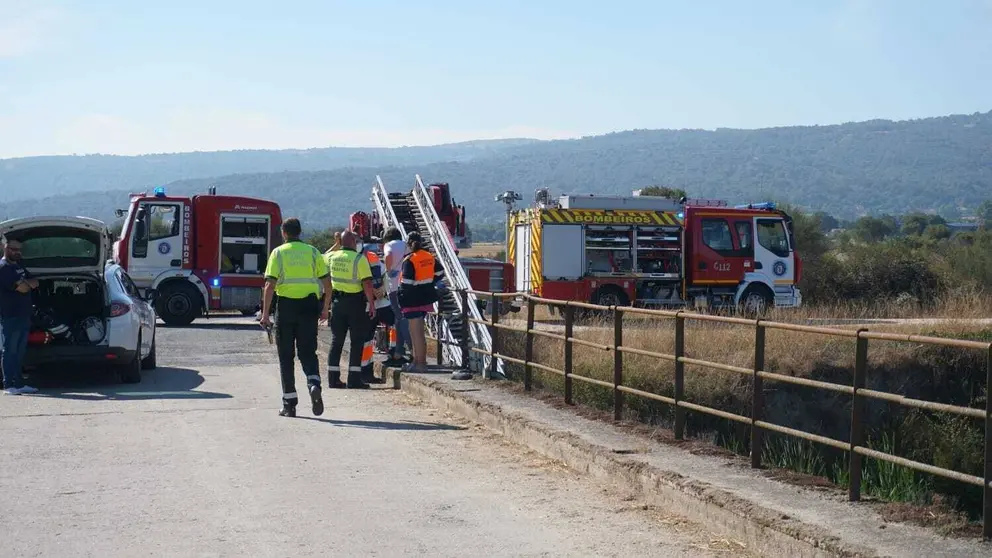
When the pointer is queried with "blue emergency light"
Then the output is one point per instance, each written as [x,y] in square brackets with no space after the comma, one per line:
[160,192]
[216,282]
[762,205]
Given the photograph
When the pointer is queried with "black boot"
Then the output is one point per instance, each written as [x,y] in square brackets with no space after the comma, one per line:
[317,400]
[335,383]
[288,410]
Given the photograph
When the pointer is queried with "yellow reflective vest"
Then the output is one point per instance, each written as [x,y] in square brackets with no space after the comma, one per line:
[348,270]
[297,269]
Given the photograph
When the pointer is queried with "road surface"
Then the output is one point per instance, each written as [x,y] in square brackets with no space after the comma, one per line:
[194,461]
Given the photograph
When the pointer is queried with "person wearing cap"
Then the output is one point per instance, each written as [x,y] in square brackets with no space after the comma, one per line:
[417,295]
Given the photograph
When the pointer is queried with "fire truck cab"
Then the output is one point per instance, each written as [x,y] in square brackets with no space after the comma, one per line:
[200,253]
[655,252]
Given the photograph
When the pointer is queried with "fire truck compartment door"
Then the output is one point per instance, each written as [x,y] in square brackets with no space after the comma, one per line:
[562,252]
[521,264]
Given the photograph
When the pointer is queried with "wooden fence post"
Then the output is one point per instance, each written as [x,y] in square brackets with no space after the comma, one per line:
[679,375]
[529,349]
[466,331]
[569,319]
[987,490]
[617,363]
[757,396]
[493,320]
[857,410]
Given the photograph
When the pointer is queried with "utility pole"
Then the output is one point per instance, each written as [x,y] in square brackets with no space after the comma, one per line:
[509,198]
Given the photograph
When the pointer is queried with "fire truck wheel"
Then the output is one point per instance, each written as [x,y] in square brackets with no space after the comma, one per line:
[756,301]
[179,304]
[611,296]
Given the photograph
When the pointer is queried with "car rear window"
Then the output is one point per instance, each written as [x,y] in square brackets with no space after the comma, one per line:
[57,247]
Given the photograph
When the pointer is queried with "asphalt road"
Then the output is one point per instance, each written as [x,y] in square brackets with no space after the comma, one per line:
[194,461]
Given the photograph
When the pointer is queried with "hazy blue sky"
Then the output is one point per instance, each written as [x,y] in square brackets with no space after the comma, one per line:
[141,76]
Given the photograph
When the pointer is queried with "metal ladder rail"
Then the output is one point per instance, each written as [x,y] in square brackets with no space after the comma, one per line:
[456,273]
[380,197]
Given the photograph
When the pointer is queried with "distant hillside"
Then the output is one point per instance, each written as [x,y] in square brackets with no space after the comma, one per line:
[935,164]
[37,177]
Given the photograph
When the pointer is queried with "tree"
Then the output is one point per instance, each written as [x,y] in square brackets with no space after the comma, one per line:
[937,231]
[663,192]
[915,224]
[874,229]
[323,240]
[984,215]
[827,222]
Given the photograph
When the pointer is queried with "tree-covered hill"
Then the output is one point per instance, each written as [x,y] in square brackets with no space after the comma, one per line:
[932,165]
[37,177]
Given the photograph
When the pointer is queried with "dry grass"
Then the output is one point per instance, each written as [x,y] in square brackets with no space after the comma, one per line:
[481,250]
[785,351]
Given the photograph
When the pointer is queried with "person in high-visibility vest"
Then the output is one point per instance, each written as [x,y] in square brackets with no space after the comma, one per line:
[352,308]
[295,275]
[417,295]
[383,309]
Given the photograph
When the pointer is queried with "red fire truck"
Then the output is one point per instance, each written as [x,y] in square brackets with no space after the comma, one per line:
[655,252]
[200,253]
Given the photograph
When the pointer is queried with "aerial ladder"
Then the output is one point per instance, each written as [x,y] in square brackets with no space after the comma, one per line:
[415,212]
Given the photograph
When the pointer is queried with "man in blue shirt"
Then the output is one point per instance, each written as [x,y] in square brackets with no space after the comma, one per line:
[16,285]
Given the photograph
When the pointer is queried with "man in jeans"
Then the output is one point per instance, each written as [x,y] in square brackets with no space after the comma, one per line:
[16,285]
[394,251]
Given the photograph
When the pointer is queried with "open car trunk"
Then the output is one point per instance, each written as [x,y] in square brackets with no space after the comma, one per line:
[67,255]
[69,310]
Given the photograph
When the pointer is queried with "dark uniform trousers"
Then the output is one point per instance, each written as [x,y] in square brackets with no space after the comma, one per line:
[348,316]
[296,333]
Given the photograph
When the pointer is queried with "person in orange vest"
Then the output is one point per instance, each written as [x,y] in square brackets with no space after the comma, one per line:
[417,295]
[383,309]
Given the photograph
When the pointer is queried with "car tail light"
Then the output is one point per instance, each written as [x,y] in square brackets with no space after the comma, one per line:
[119,309]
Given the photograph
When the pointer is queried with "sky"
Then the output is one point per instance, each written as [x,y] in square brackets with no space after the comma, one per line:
[126,77]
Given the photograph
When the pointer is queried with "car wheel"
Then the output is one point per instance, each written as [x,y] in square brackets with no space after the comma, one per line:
[148,363]
[179,304]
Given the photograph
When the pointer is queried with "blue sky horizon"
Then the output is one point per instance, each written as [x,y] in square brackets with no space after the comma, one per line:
[115,77]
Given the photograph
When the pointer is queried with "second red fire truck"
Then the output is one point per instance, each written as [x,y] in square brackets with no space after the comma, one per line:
[655,252]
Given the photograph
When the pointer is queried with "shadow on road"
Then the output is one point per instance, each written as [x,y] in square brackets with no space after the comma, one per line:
[382,425]
[161,383]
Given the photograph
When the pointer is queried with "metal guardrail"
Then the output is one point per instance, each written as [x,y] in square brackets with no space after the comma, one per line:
[855,446]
